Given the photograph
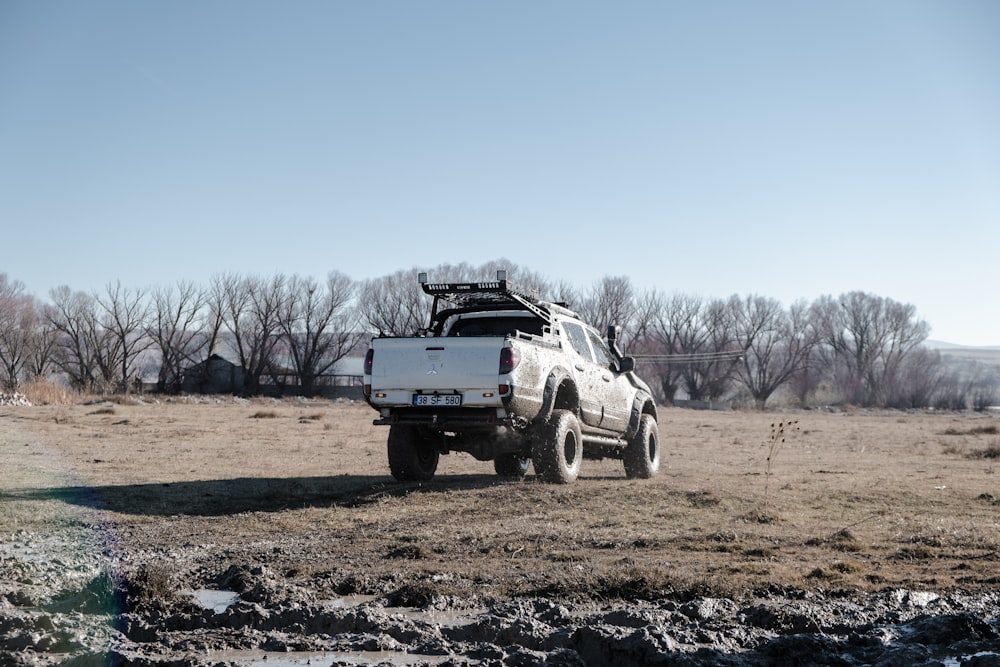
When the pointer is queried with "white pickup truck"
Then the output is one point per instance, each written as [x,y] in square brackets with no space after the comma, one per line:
[511,379]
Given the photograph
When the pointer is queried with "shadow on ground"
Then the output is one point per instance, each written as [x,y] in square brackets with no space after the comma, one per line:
[219,497]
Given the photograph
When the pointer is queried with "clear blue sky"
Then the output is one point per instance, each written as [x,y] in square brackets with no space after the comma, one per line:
[789,149]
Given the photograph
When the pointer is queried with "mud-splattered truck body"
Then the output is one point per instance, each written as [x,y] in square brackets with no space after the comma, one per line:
[511,379]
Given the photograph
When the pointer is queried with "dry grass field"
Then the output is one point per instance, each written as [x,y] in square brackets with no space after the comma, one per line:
[824,500]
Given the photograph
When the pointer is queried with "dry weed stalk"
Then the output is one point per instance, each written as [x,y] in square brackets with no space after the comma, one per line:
[774,445]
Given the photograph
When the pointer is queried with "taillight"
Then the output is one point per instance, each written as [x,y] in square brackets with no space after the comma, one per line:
[369,356]
[508,360]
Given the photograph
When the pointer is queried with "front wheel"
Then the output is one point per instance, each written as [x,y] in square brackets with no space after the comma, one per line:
[411,457]
[557,449]
[642,453]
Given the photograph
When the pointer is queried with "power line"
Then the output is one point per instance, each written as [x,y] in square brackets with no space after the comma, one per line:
[691,357]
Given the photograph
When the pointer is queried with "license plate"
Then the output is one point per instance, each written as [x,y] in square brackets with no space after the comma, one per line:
[432,400]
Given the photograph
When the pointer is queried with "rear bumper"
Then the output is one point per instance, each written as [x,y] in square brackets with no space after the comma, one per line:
[445,419]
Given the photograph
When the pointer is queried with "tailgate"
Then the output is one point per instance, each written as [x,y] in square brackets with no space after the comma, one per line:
[435,364]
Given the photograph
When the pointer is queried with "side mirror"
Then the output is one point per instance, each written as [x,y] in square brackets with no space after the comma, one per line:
[613,342]
[626,364]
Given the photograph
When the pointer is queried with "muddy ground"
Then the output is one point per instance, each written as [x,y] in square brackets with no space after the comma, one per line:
[230,532]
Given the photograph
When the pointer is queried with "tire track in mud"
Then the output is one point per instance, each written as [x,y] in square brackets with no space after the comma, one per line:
[272,622]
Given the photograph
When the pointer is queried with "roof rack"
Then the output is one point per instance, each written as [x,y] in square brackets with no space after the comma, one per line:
[491,293]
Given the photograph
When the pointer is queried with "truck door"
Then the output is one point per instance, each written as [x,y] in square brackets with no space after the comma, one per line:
[588,375]
[614,389]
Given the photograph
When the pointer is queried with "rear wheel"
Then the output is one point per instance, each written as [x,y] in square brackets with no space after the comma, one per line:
[511,465]
[642,453]
[558,448]
[412,458]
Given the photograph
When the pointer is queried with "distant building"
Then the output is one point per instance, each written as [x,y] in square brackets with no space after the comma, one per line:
[215,375]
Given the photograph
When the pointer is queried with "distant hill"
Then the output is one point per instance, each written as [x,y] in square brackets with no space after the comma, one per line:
[942,345]
[986,354]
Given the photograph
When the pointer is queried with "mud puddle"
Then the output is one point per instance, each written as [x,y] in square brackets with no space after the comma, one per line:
[217,601]
[257,619]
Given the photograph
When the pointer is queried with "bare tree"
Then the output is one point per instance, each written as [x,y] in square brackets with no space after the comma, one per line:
[685,316]
[176,329]
[17,320]
[394,305]
[250,309]
[870,337]
[462,272]
[667,323]
[216,300]
[712,368]
[808,380]
[648,346]
[776,344]
[124,314]
[966,383]
[318,323]
[952,391]
[902,337]
[985,389]
[610,301]
[76,353]
[564,293]
[27,346]
[40,360]
[917,379]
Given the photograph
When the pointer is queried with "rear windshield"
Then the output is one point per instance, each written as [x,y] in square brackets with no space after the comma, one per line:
[496,326]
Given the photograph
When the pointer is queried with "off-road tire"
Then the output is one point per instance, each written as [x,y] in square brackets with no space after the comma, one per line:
[411,457]
[514,466]
[557,448]
[642,453]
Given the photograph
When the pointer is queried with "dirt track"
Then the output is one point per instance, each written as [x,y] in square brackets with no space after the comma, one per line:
[869,539]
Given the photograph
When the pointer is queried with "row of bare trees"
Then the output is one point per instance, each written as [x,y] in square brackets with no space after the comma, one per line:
[272,327]
[857,348]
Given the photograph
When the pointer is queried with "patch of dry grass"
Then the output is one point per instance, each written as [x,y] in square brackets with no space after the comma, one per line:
[991,429]
[990,452]
[43,392]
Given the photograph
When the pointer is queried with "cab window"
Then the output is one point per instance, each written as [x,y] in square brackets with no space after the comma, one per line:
[496,326]
[601,353]
[578,339]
